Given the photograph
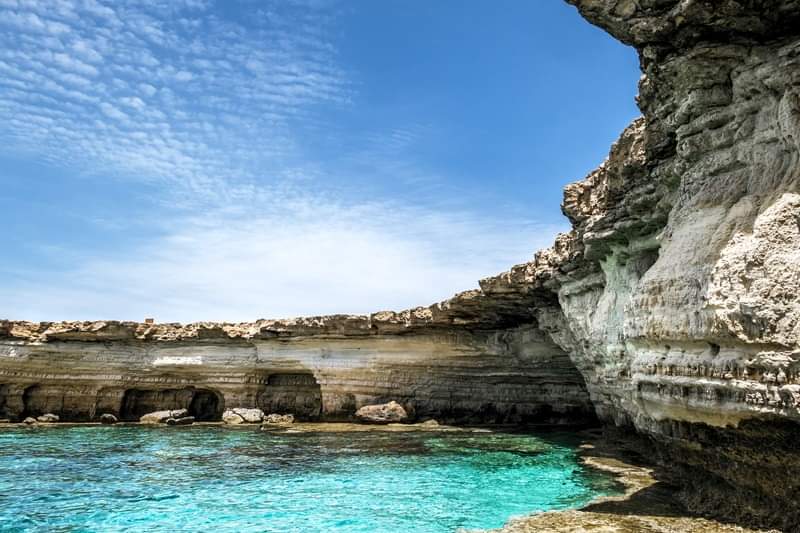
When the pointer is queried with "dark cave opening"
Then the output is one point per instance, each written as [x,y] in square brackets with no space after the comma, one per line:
[203,404]
[4,391]
[38,400]
[296,393]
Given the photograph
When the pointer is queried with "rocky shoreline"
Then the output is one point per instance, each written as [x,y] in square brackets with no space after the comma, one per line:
[648,504]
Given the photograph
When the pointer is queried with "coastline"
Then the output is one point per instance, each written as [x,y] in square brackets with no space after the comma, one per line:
[647,504]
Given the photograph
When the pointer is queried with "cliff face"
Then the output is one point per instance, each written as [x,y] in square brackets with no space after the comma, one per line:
[317,368]
[672,305]
[683,311]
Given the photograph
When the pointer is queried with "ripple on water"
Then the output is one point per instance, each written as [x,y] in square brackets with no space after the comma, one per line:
[214,478]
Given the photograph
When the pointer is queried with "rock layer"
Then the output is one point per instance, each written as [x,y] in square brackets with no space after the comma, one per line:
[672,304]
[323,368]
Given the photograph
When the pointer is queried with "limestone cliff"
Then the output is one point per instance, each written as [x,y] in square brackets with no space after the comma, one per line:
[672,305]
[316,368]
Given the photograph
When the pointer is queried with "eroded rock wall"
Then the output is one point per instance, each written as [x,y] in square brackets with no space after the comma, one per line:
[316,369]
[678,299]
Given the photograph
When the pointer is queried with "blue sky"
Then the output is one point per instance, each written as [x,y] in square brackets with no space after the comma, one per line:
[199,160]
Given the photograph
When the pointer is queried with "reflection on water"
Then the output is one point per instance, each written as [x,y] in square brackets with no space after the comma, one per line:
[206,478]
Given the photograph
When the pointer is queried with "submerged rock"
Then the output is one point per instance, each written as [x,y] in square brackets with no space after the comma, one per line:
[183,421]
[243,415]
[108,418]
[278,420]
[158,417]
[47,418]
[383,413]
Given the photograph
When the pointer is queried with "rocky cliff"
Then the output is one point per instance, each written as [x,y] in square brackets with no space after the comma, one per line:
[672,305]
[316,368]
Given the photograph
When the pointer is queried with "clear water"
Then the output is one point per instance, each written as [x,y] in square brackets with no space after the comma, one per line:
[210,478]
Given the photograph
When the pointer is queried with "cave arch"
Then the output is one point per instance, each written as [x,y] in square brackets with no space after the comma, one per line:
[298,393]
[203,404]
[38,400]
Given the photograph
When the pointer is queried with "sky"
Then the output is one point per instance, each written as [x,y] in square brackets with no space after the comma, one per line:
[228,160]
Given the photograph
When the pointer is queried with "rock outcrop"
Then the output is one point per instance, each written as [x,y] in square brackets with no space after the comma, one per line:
[181,421]
[275,419]
[160,417]
[671,309]
[242,415]
[385,413]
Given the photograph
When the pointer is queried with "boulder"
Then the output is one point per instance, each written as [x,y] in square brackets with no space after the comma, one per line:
[242,415]
[29,421]
[183,421]
[384,413]
[278,420]
[157,417]
[47,418]
[108,418]
[430,423]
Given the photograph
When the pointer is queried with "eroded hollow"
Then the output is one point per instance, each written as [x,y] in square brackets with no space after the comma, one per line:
[203,404]
[296,393]
[4,392]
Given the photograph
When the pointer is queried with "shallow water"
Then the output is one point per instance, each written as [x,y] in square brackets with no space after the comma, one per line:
[212,478]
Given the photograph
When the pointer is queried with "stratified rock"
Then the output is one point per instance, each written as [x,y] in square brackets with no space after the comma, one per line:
[108,418]
[383,413]
[47,418]
[278,420]
[182,421]
[29,421]
[159,417]
[242,415]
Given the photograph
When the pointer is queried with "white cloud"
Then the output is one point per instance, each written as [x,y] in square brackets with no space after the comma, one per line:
[311,256]
[270,241]
[112,112]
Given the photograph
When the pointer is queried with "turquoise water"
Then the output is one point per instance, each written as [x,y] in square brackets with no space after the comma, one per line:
[211,478]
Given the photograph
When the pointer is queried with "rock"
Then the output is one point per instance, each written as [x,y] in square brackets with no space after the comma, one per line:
[242,415]
[279,420]
[384,413]
[182,421]
[108,418]
[430,423]
[29,421]
[48,418]
[159,417]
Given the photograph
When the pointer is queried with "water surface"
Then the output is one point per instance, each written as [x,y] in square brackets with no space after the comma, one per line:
[213,478]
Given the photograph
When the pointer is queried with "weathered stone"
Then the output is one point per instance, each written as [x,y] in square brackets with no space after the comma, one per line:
[276,419]
[242,415]
[182,421]
[108,418]
[47,418]
[384,413]
[29,421]
[159,417]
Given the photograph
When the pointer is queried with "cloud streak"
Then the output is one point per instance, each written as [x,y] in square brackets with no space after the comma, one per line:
[212,110]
